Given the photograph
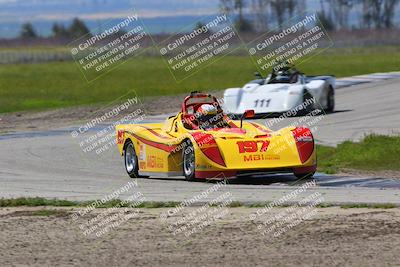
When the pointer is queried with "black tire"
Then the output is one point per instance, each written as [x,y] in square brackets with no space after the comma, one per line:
[330,100]
[308,107]
[305,175]
[188,161]
[131,160]
[234,117]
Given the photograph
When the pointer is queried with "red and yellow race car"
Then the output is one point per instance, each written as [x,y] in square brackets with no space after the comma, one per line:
[201,141]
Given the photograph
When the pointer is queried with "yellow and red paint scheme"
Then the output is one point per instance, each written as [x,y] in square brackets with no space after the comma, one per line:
[221,152]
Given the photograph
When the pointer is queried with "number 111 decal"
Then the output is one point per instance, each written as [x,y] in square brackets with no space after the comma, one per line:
[263,103]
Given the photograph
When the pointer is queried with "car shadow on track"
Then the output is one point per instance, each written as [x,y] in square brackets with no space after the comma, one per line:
[340,111]
[277,115]
[286,179]
[320,179]
[278,179]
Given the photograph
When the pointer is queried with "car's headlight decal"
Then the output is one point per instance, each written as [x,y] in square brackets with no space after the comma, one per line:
[304,142]
[209,147]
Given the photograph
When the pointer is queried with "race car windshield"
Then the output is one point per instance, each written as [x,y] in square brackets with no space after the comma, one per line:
[280,79]
[202,100]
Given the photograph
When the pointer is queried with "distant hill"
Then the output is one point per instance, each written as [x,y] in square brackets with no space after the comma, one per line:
[154,25]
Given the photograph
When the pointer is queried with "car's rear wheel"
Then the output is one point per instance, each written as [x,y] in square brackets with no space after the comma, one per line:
[330,100]
[188,161]
[131,160]
[234,116]
[304,175]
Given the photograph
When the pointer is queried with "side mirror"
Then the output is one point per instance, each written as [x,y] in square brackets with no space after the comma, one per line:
[248,114]
[258,75]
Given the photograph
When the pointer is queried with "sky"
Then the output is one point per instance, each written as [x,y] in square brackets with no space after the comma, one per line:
[43,13]
[34,10]
[159,15]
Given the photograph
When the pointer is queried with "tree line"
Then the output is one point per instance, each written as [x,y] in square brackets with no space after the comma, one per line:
[76,29]
[260,15]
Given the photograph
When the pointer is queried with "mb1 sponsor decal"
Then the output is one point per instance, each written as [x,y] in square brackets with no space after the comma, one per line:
[257,157]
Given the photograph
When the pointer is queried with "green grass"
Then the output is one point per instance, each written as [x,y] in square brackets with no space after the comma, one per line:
[33,202]
[146,204]
[38,201]
[368,206]
[61,84]
[374,152]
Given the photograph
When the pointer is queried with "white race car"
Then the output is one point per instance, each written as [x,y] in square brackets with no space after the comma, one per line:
[282,91]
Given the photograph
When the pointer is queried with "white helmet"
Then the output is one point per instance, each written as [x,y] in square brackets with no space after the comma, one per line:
[207,109]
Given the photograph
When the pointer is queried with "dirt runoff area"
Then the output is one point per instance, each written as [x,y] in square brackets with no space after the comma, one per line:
[72,116]
[331,237]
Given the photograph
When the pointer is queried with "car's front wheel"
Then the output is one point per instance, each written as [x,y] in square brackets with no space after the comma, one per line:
[131,160]
[188,160]
[308,104]
[330,100]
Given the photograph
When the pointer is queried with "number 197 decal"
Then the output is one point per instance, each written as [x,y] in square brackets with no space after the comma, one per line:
[252,146]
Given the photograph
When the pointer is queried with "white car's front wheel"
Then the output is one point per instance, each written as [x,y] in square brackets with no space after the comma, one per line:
[330,100]
[308,103]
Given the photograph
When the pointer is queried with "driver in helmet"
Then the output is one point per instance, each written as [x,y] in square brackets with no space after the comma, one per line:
[209,117]
[285,68]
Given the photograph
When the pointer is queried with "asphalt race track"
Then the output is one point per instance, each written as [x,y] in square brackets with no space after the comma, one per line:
[51,164]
